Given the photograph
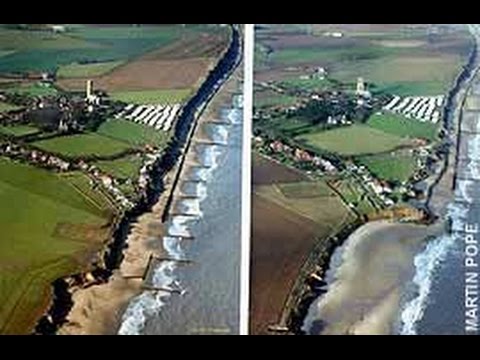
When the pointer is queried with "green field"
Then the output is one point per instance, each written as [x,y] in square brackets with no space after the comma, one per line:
[411,88]
[353,194]
[18,130]
[83,145]
[326,55]
[392,167]
[49,228]
[301,190]
[170,96]
[260,55]
[46,51]
[271,98]
[87,70]
[31,89]
[405,74]
[125,168]
[285,126]
[133,134]
[311,84]
[397,60]
[12,40]
[4,107]
[404,127]
[327,210]
[353,140]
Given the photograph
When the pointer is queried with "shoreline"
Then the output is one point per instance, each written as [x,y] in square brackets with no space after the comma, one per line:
[365,286]
[310,283]
[127,254]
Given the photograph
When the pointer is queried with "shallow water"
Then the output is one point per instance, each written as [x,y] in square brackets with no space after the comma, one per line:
[366,279]
[437,306]
[201,296]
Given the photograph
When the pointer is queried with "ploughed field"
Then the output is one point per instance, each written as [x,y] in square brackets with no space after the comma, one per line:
[290,213]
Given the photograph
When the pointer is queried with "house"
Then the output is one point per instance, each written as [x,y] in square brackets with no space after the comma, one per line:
[106,181]
[58,28]
[334,34]
[276,146]
[302,155]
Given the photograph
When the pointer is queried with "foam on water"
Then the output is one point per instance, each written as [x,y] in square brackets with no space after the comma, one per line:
[235,116]
[149,304]
[140,308]
[426,264]
[474,148]
[428,261]
[190,207]
[179,226]
[173,245]
[209,157]
[198,190]
[220,134]
[199,174]
[163,275]
[462,190]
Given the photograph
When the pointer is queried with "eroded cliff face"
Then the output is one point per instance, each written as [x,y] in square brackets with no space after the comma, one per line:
[110,258]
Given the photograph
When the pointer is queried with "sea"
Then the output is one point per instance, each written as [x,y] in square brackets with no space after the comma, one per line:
[198,280]
[433,300]
[439,305]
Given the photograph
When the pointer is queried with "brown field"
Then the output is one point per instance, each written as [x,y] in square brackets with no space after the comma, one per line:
[147,75]
[178,66]
[284,230]
[192,47]
[269,172]
[277,254]
[400,49]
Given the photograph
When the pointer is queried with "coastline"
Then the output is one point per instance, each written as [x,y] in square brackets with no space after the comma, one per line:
[93,302]
[99,309]
[365,288]
[310,285]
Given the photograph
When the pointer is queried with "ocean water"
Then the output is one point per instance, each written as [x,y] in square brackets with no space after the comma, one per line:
[200,293]
[433,297]
[438,304]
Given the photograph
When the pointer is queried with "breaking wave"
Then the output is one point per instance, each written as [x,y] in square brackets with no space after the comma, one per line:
[149,304]
[220,134]
[426,264]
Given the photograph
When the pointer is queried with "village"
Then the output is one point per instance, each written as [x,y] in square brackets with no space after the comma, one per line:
[64,115]
[331,109]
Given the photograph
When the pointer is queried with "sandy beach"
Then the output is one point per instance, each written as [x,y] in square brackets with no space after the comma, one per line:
[377,260]
[99,308]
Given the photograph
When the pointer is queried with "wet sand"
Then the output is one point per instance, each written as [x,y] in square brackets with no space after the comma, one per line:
[98,309]
[377,261]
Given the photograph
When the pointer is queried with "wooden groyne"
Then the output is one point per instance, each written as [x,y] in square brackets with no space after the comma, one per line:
[229,62]
[160,175]
[452,122]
